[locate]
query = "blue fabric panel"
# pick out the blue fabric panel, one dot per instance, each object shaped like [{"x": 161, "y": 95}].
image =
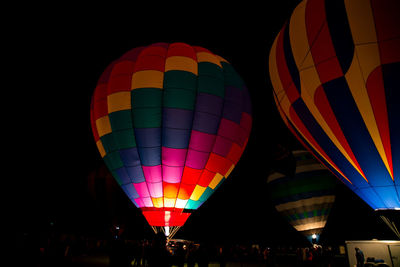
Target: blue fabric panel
[
  {"x": 123, "y": 176},
  {"x": 326, "y": 144},
  {"x": 370, "y": 196},
  {"x": 136, "y": 174},
  {"x": 389, "y": 196},
  {"x": 177, "y": 118},
  {"x": 148, "y": 137},
  {"x": 233, "y": 104},
  {"x": 175, "y": 138},
  {"x": 206, "y": 123},
  {"x": 150, "y": 156},
  {"x": 130, "y": 190},
  {"x": 392, "y": 84},
  {"x": 130, "y": 156},
  {"x": 209, "y": 103},
  {"x": 356, "y": 133}
]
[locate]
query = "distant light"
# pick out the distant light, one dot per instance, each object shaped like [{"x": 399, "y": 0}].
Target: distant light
[
  {"x": 314, "y": 236},
  {"x": 166, "y": 230}
]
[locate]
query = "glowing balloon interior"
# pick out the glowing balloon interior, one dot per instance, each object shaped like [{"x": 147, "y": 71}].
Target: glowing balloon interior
[
  {"x": 171, "y": 122},
  {"x": 335, "y": 70},
  {"x": 305, "y": 198}
]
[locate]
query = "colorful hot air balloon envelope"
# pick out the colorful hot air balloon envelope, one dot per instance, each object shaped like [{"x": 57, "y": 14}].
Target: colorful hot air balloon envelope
[
  {"x": 335, "y": 69},
  {"x": 305, "y": 198},
  {"x": 171, "y": 122}
]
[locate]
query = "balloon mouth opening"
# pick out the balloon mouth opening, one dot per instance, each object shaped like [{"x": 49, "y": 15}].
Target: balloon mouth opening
[{"x": 166, "y": 218}]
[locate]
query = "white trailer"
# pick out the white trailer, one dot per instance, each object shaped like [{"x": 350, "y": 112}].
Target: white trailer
[{"x": 386, "y": 250}]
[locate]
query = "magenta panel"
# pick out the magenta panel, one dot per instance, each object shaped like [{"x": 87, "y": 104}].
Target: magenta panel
[
  {"x": 172, "y": 174},
  {"x": 201, "y": 141},
  {"x": 152, "y": 174},
  {"x": 173, "y": 156},
  {"x": 196, "y": 159}
]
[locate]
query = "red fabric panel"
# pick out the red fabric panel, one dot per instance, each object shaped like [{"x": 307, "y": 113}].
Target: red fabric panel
[
  {"x": 165, "y": 218},
  {"x": 284, "y": 74},
  {"x": 376, "y": 93},
  {"x": 322, "y": 103},
  {"x": 205, "y": 178},
  {"x": 170, "y": 190},
  {"x": 181, "y": 49},
  {"x": 186, "y": 190},
  {"x": 190, "y": 175}
]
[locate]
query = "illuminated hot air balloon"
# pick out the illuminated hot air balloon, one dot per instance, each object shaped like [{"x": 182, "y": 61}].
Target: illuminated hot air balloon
[
  {"x": 335, "y": 69},
  {"x": 305, "y": 198},
  {"x": 171, "y": 122}
]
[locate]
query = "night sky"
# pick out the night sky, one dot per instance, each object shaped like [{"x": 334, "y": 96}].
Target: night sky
[{"x": 57, "y": 58}]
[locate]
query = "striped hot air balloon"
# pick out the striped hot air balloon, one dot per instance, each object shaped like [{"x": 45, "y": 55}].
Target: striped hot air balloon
[
  {"x": 171, "y": 122},
  {"x": 305, "y": 198},
  {"x": 335, "y": 69}
]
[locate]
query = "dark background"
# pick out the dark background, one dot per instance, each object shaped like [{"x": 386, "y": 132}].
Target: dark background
[{"x": 56, "y": 57}]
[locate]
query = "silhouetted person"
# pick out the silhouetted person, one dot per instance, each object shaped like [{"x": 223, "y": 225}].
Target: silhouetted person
[
  {"x": 360, "y": 257},
  {"x": 192, "y": 253},
  {"x": 158, "y": 254},
  {"x": 180, "y": 255},
  {"x": 203, "y": 256}
]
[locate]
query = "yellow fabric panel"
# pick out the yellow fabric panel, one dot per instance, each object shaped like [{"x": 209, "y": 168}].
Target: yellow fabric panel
[
  {"x": 147, "y": 79},
  {"x": 221, "y": 59},
  {"x": 356, "y": 83},
  {"x": 368, "y": 58},
  {"x": 101, "y": 149},
  {"x": 207, "y": 57},
  {"x": 103, "y": 126},
  {"x": 310, "y": 81},
  {"x": 276, "y": 81},
  {"x": 169, "y": 202},
  {"x": 309, "y": 226},
  {"x": 361, "y": 21},
  {"x": 215, "y": 181},
  {"x": 197, "y": 192},
  {"x": 181, "y": 63},
  {"x": 298, "y": 35},
  {"x": 315, "y": 148},
  {"x": 119, "y": 101},
  {"x": 158, "y": 202},
  {"x": 229, "y": 171}
]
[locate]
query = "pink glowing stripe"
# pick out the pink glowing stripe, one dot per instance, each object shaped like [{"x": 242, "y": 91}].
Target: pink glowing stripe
[
  {"x": 173, "y": 156},
  {"x": 147, "y": 202},
  {"x": 152, "y": 174},
  {"x": 155, "y": 189},
  {"x": 196, "y": 159},
  {"x": 222, "y": 146},
  {"x": 142, "y": 190},
  {"x": 201, "y": 141},
  {"x": 172, "y": 174}
]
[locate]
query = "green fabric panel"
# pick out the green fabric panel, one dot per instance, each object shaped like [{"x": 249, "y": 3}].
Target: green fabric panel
[
  {"x": 210, "y": 69},
  {"x": 125, "y": 139},
  {"x": 193, "y": 205},
  {"x": 109, "y": 143},
  {"x": 120, "y": 120},
  {"x": 180, "y": 79},
  {"x": 231, "y": 77},
  {"x": 309, "y": 182},
  {"x": 147, "y": 117},
  {"x": 113, "y": 160},
  {"x": 285, "y": 190},
  {"x": 211, "y": 85},
  {"x": 146, "y": 97},
  {"x": 179, "y": 98},
  {"x": 207, "y": 193}
]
